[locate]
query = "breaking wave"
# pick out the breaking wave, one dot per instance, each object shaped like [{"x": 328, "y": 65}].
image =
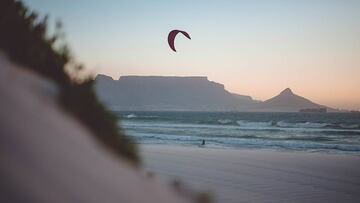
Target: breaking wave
[
  {"x": 335, "y": 133},
  {"x": 225, "y": 121},
  {"x": 242, "y": 123},
  {"x": 301, "y": 125}
]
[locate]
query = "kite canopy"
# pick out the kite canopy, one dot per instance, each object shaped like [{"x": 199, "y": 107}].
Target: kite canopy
[{"x": 172, "y": 35}]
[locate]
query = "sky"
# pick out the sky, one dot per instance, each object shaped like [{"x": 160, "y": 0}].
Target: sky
[{"x": 255, "y": 48}]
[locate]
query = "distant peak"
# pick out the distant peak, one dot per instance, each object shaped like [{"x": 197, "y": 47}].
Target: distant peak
[{"x": 287, "y": 91}]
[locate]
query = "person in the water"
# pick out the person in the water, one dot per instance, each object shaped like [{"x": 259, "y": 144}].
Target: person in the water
[{"x": 203, "y": 142}]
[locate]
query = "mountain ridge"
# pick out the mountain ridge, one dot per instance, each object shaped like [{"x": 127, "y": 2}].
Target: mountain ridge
[{"x": 193, "y": 93}]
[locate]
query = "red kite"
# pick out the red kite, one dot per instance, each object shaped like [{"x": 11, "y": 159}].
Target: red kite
[{"x": 172, "y": 35}]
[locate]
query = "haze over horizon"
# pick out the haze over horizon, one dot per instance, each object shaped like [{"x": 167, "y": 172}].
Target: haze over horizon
[{"x": 255, "y": 48}]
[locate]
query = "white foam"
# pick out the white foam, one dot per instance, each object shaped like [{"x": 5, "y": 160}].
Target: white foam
[
  {"x": 301, "y": 125},
  {"x": 131, "y": 116},
  {"x": 224, "y": 121},
  {"x": 349, "y": 126},
  {"x": 242, "y": 123}
]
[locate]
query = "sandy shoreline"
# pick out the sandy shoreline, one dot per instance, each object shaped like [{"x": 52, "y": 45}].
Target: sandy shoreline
[
  {"x": 48, "y": 156},
  {"x": 258, "y": 176}
]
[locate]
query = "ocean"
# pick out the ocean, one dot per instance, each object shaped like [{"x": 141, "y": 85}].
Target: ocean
[{"x": 311, "y": 132}]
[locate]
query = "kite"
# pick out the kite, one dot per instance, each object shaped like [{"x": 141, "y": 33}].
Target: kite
[{"x": 172, "y": 35}]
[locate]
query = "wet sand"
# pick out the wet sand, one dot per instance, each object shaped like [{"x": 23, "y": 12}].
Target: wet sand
[{"x": 258, "y": 175}]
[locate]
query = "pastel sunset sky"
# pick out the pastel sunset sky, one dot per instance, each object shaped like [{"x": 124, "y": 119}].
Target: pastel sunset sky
[{"x": 255, "y": 48}]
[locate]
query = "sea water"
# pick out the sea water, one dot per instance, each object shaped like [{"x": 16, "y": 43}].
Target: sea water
[{"x": 312, "y": 132}]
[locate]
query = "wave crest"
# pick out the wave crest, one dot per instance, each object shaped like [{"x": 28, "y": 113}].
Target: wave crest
[
  {"x": 284, "y": 124},
  {"x": 243, "y": 123}
]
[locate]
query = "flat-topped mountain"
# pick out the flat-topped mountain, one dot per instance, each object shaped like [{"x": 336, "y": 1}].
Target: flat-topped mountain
[
  {"x": 159, "y": 93},
  {"x": 166, "y": 93}
]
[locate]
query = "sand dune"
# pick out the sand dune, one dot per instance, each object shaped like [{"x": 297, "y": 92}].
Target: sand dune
[
  {"x": 47, "y": 156},
  {"x": 259, "y": 176}
]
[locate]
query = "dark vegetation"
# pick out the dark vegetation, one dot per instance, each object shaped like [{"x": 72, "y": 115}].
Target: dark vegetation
[{"x": 24, "y": 38}]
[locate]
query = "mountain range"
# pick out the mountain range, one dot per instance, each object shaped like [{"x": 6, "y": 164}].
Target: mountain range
[{"x": 160, "y": 93}]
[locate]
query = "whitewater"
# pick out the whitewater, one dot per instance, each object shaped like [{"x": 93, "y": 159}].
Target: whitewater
[{"x": 311, "y": 132}]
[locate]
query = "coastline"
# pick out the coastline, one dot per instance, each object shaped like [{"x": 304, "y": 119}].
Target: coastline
[{"x": 241, "y": 175}]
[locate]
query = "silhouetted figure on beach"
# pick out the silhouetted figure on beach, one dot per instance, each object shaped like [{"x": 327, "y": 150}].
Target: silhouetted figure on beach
[{"x": 203, "y": 142}]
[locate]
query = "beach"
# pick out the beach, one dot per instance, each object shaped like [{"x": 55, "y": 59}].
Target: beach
[
  {"x": 48, "y": 156},
  {"x": 236, "y": 175}
]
